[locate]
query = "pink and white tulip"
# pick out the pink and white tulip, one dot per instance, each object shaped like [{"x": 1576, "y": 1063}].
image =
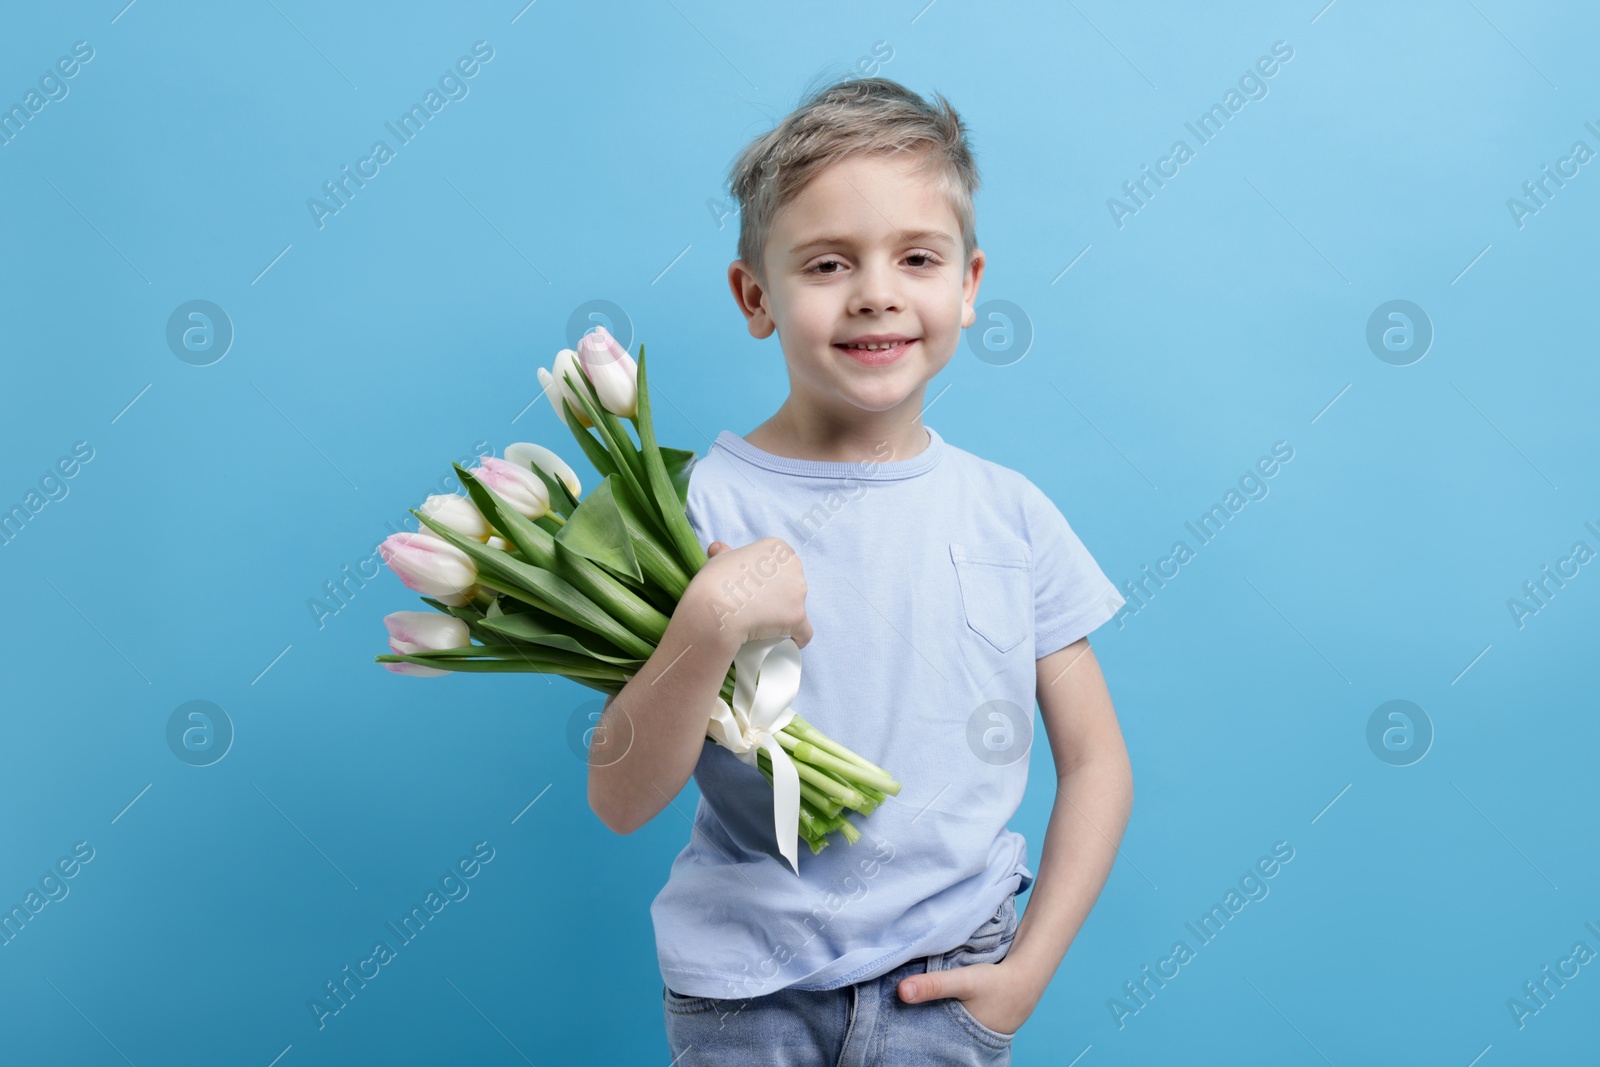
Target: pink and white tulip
[
  {"x": 456, "y": 512},
  {"x": 431, "y": 566},
  {"x": 518, "y": 486},
  {"x": 411, "y": 632},
  {"x": 532, "y": 456},
  {"x": 556, "y": 388},
  {"x": 612, "y": 372}
]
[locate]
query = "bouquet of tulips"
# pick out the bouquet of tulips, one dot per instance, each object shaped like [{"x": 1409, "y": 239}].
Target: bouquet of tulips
[{"x": 551, "y": 583}]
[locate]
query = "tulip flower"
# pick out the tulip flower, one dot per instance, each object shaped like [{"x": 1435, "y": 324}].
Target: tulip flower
[
  {"x": 456, "y": 512},
  {"x": 431, "y": 566},
  {"x": 556, "y": 388},
  {"x": 499, "y": 542},
  {"x": 524, "y": 454},
  {"x": 411, "y": 632},
  {"x": 518, "y": 486},
  {"x": 612, "y": 372}
]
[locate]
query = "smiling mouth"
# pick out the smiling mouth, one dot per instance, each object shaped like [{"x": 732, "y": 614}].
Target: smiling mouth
[{"x": 876, "y": 355}]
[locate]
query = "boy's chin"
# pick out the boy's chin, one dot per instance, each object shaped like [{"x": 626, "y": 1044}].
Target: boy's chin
[{"x": 880, "y": 398}]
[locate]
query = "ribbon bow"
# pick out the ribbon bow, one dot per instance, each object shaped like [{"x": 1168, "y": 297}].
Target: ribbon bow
[{"x": 766, "y": 679}]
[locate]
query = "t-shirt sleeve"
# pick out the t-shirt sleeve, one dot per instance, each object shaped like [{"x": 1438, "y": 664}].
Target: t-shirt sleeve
[
  {"x": 1071, "y": 594},
  {"x": 696, "y": 505}
]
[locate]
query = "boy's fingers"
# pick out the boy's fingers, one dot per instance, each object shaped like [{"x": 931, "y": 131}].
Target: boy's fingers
[
  {"x": 802, "y": 634},
  {"x": 936, "y": 985},
  {"x": 715, "y": 547}
]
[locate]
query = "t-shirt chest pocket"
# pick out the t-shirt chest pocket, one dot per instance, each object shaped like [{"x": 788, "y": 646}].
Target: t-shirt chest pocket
[{"x": 996, "y": 592}]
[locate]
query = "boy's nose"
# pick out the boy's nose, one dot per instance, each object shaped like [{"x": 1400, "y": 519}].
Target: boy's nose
[{"x": 877, "y": 290}]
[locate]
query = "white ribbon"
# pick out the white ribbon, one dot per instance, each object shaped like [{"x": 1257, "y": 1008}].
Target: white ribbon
[{"x": 766, "y": 679}]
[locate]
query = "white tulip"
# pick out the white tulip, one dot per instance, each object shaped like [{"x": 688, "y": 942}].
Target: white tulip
[
  {"x": 456, "y": 512},
  {"x": 556, "y": 388},
  {"x": 411, "y": 632},
  {"x": 519, "y": 487},
  {"x": 526, "y": 454},
  {"x": 612, "y": 372},
  {"x": 431, "y": 566}
]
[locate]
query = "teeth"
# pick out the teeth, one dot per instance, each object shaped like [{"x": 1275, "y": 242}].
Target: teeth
[{"x": 874, "y": 348}]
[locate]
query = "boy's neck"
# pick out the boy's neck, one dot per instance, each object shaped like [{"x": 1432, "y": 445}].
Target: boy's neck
[{"x": 828, "y": 438}]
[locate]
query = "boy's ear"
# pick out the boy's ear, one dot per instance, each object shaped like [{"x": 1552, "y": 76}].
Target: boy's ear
[
  {"x": 969, "y": 289},
  {"x": 751, "y": 298}
]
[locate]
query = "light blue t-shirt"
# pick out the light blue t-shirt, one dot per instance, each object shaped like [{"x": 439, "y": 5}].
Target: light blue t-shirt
[{"x": 933, "y": 584}]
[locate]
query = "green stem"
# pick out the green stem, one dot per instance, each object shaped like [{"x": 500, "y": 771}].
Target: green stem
[
  {"x": 814, "y": 831},
  {"x": 813, "y": 825},
  {"x": 842, "y": 792},
  {"x": 815, "y": 755},
  {"x": 815, "y": 802},
  {"x": 803, "y": 729}
]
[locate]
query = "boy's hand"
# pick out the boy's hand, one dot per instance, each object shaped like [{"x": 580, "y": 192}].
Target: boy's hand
[
  {"x": 999, "y": 997},
  {"x": 752, "y": 592}
]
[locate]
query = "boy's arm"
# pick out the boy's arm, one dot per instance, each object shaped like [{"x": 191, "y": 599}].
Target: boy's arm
[
  {"x": 649, "y": 738},
  {"x": 1094, "y": 798}
]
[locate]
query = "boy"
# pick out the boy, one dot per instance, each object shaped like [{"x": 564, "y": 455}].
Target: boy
[{"x": 940, "y": 596}]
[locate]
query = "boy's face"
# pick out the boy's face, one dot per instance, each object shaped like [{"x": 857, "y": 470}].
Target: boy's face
[{"x": 870, "y": 249}]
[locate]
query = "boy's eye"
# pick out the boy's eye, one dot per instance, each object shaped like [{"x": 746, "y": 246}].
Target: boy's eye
[{"x": 929, "y": 260}]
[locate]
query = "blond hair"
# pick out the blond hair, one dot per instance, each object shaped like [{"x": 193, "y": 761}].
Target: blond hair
[{"x": 853, "y": 116}]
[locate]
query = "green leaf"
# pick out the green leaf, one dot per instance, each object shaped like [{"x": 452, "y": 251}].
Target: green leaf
[
  {"x": 540, "y": 588},
  {"x": 527, "y": 643},
  {"x": 661, "y": 567},
  {"x": 539, "y": 546},
  {"x": 670, "y": 509},
  {"x": 529, "y": 629},
  {"x": 627, "y": 464},
  {"x": 606, "y": 679},
  {"x": 563, "y": 660},
  {"x": 679, "y": 462},
  {"x": 555, "y": 624},
  {"x": 598, "y": 532},
  {"x": 466, "y": 652}
]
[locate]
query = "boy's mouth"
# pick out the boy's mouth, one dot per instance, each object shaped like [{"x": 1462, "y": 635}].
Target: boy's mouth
[{"x": 876, "y": 351}]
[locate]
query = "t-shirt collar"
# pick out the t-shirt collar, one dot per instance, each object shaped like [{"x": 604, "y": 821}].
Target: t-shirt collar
[{"x": 866, "y": 470}]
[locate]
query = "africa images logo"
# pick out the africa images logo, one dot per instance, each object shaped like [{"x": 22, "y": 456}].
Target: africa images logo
[{"x": 452, "y": 86}]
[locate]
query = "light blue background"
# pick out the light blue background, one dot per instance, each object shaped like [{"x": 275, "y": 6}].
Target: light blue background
[{"x": 1228, "y": 314}]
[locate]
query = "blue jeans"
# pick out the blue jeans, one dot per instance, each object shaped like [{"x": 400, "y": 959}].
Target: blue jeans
[{"x": 861, "y": 1025}]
